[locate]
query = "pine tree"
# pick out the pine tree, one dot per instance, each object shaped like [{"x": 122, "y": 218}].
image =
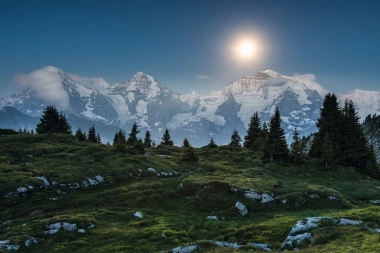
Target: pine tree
[
  {"x": 53, "y": 122},
  {"x": 327, "y": 151},
  {"x": 212, "y": 143},
  {"x": 147, "y": 140},
  {"x": 132, "y": 136},
  {"x": 32, "y": 131},
  {"x": 235, "y": 139},
  {"x": 253, "y": 132},
  {"x": 98, "y": 138},
  {"x": 190, "y": 154},
  {"x": 186, "y": 143},
  {"x": 296, "y": 146},
  {"x": 166, "y": 139},
  {"x": 371, "y": 167},
  {"x": 120, "y": 138},
  {"x": 91, "y": 136},
  {"x": 277, "y": 148},
  {"x": 80, "y": 135}
]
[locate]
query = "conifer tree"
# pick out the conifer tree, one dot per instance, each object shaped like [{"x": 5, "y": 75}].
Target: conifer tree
[
  {"x": 253, "y": 132},
  {"x": 327, "y": 151},
  {"x": 212, "y": 143},
  {"x": 98, "y": 138},
  {"x": 186, "y": 143},
  {"x": 132, "y": 136},
  {"x": 91, "y": 136},
  {"x": 166, "y": 139},
  {"x": 80, "y": 135},
  {"x": 147, "y": 140},
  {"x": 296, "y": 146},
  {"x": 32, "y": 131},
  {"x": 190, "y": 154},
  {"x": 119, "y": 138},
  {"x": 371, "y": 166},
  {"x": 235, "y": 139},
  {"x": 53, "y": 122},
  {"x": 276, "y": 142}
]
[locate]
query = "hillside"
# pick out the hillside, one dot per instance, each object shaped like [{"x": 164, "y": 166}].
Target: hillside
[{"x": 76, "y": 196}]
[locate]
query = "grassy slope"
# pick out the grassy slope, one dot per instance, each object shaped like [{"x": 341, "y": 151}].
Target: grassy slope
[{"x": 177, "y": 212}]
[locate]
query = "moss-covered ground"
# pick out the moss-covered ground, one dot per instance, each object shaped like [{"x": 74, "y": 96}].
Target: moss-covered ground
[{"x": 175, "y": 208}]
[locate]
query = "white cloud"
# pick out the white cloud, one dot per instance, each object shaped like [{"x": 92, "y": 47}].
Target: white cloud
[
  {"x": 47, "y": 83},
  {"x": 311, "y": 83},
  {"x": 92, "y": 83},
  {"x": 202, "y": 77}
]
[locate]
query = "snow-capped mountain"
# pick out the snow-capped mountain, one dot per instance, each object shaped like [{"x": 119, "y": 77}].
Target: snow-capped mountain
[
  {"x": 154, "y": 107},
  {"x": 366, "y": 102}
]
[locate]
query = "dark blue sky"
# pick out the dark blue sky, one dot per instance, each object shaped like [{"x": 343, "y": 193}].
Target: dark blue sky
[{"x": 176, "y": 41}]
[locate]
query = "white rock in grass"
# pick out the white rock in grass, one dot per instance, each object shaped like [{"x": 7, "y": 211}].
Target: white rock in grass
[
  {"x": 252, "y": 195},
  {"x": 333, "y": 198},
  {"x": 91, "y": 226},
  {"x": 99, "y": 178},
  {"x": 85, "y": 184},
  {"x": 81, "y": 231},
  {"x": 187, "y": 249},
  {"x": 69, "y": 226},
  {"x": 291, "y": 242},
  {"x": 376, "y": 202},
  {"x": 51, "y": 231},
  {"x": 302, "y": 225},
  {"x": 138, "y": 215},
  {"x": 266, "y": 198},
  {"x": 30, "y": 241},
  {"x": 152, "y": 170},
  {"x": 212, "y": 218},
  {"x": 314, "y": 196},
  {"x": 57, "y": 226},
  {"x": 347, "y": 222},
  {"x": 377, "y": 230},
  {"x": 232, "y": 245},
  {"x": 22, "y": 189},
  {"x": 92, "y": 181},
  {"x": 260, "y": 246},
  {"x": 241, "y": 208},
  {"x": 31, "y": 187},
  {"x": 46, "y": 183}
]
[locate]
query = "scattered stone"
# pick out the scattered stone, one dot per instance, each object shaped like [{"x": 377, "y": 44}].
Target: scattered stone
[
  {"x": 378, "y": 187},
  {"x": 57, "y": 226},
  {"x": 85, "y": 184},
  {"x": 165, "y": 174},
  {"x": 22, "y": 189},
  {"x": 152, "y": 170},
  {"x": 333, "y": 198},
  {"x": 187, "y": 249},
  {"x": 252, "y": 195},
  {"x": 91, "y": 226},
  {"x": 302, "y": 225},
  {"x": 81, "y": 231},
  {"x": 31, "y": 187},
  {"x": 241, "y": 208},
  {"x": 376, "y": 202},
  {"x": 347, "y": 222},
  {"x": 30, "y": 241},
  {"x": 69, "y": 227},
  {"x": 260, "y": 246},
  {"x": 53, "y": 199},
  {"x": 51, "y": 231},
  {"x": 61, "y": 192},
  {"x": 377, "y": 230},
  {"x": 232, "y": 245},
  {"x": 43, "y": 178},
  {"x": 212, "y": 218},
  {"x": 283, "y": 201},
  {"x": 54, "y": 183},
  {"x": 92, "y": 181},
  {"x": 266, "y": 198},
  {"x": 7, "y": 246},
  {"x": 76, "y": 186},
  {"x": 291, "y": 242},
  {"x": 314, "y": 196},
  {"x": 138, "y": 215},
  {"x": 29, "y": 156},
  {"x": 99, "y": 178}
]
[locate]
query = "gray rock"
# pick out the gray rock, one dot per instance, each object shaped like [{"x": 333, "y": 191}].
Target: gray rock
[
  {"x": 30, "y": 241},
  {"x": 43, "y": 178},
  {"x": 260, "y": 246},
  {"x": 81, "y": 231},
  {"x": 291, "y": 242},
  {"x": 99, "y": 178},
  {"x": 212, "y": 218},
  {"x": 232, "y": 245},
  {"x": 252, "y": 195},
  {"x": 22, "y": 189},
  {"x": 69, "y": 226},
  {"x": 92, "y": 181},
  {"x": 266, "y": 198},
  {"x": 241, "y": 208},
  {"x": 376, "y": 202}
]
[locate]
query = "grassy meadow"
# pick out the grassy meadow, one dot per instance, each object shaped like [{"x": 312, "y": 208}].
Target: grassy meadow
[{"x": 174, "y": 207}]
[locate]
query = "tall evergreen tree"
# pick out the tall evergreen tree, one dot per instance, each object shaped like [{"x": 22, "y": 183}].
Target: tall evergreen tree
[
  {"x": 147, "y": 140},
  {"x": 166, "y": 140},
  {"x": 276, "y": 142},
  {"x": 327, "y": 151},
  {"x": 371, "y": 166},
  {"x": 296, "y": 149},
  {"x": 80, "y": 135},
  {"x": 212, "y": 143},
  {"x": 132, "y": 136},
  {"x": 329, "y": 122},
  {"x": 98, "y": 138},
  {"x": 253, "y": 132},
  {"x": 119, "y": 138},
  {"x": 91, "y": 136},
  {"x": 235, "y": 139},
  {"x": 53, "y": 122},
  {"x": 186, "y": 143}
]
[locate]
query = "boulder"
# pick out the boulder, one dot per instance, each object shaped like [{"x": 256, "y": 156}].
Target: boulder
[
  {"x": 30, "y": 241},
  {"x": 252, "y": 195},
  {"x": 266, "y": 198},
  {"x": 241, "y": 208},
  {"x": 138, "y": 215},
  {"x": 69, "y": 226}
]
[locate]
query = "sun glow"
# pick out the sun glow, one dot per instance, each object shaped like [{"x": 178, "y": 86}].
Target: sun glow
[{"x": 246, "y": 49}]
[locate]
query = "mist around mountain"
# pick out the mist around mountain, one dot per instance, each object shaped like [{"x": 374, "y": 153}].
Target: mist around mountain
[{"x": 154, "y": 107}]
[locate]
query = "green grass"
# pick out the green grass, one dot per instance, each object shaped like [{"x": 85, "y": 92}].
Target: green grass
[{"x": 175, "y": 208}]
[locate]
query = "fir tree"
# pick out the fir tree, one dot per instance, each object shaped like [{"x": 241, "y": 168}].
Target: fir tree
[
  {"x": 296, "y": 148},
  {"x": 53, "y": 122},
  {"x": 371, "y": 166},
  {"x": 147, "y": 140},
  {"x": 212, "y": 143},
  {"x": 120, "y": 138},
  {"x": 32, "y": 131},
  {"x": 190, "y": 154},
  {"x": 98, "y": 138},
  {"x": 132, "y": 136},
  {"x": 153, "y": 144},
  {"x": 327, "y": 151},
  {"x": 166, "y": 139},
  {"x": 253, "y": 132},
  {"x": 80, "y": 135},
  {"x": 276, "y": 147},
  {"x": 186, "y": 143},
  {"x": 91, "y": 136},
  {"x": 235, "y": 139}
]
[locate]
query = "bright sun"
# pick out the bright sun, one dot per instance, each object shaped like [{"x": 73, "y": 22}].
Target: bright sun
[{"x": 246, "y": 49}]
